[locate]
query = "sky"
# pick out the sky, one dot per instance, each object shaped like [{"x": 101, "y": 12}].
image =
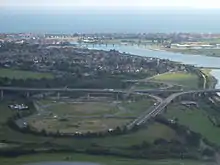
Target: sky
[{"x": 110, "y": 3}]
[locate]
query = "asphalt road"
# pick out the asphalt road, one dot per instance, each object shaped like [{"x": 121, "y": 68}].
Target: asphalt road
[{"x": 155, "y": 110}]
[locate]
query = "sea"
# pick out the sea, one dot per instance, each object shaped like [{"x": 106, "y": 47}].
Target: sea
[{"x": 109, "y": 20}]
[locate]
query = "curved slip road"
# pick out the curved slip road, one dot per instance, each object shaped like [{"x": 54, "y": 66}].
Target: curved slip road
[
  {"x": 155, "y": 110},
  {"x": 80, "y": 89}
]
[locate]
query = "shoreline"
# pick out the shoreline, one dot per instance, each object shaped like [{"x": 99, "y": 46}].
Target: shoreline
[
  {"x": 158, "y": 49},
  {"x": 171, "y": 50},
  {"x": 211, "y": 78},
  {"x": 215, "y": 81}
]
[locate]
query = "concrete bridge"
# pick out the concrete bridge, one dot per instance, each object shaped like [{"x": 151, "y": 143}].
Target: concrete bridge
[
  {"x": 58, "y": 90},
  {"x": 152, "y": 112},
  {"x": 155, "y": 110}
]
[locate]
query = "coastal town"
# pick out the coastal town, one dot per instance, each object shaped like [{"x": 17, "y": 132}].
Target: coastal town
[
  {"x": 166, "y": 38},
  {"x": 174, "y": 42},
  {"x": 74, "y": 60}
]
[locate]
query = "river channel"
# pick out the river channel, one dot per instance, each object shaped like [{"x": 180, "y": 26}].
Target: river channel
[{"x": 197, "y": 60}]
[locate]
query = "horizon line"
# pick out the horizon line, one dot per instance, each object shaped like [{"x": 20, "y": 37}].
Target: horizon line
[{"x": 109, "y": 7}]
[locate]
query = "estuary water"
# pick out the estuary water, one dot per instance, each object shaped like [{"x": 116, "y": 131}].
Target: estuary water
[{"x": 197, "y": 60}]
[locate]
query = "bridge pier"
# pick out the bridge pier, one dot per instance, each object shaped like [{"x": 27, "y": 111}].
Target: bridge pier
[
  {"x": 28, "y": 94},
  {"x": 194, "y": 96},
  {"x": 58, "y": 95},
  {"x": 117, "y": 96},
  {"x": 88, "y": 96},
  {"x": 2, "y": 94},
  {"x": 133, "y": 98},
  {"x": 179, "y": 98}
]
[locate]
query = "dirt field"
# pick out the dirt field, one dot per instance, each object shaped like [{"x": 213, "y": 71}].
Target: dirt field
[{"x": 70, "y": 117}]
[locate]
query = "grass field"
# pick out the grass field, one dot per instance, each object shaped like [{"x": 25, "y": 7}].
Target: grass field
[
  {"x": 82, "y": 109},
  {"x": 5, "y": 112},
  {"x": 77, "y": 125},
  {"x": 102, "y": 160},
  {"x": 7, "y": 133},
  {"x": 138, "y": 107},
  {"x": 210, "y": 40},
  {"x": 178, "y": 78},
  {"x": 78, "y": 117},
  {"x": 154, "y": 131},
  {"x": 20, "y": 74},
  {"x": 196, "y": 119},
  {"x": 149, "y": 85}
]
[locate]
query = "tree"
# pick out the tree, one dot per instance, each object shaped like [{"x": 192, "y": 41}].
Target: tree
[
  {"x": 117, "y": 130},
  {"x": 160, "y": 141},
  {"x": 208, "y": 152},
  {"x": 43, "y": 132},
  {"x": 193, "y": 138},
  {"x": 145, "y": 144}
]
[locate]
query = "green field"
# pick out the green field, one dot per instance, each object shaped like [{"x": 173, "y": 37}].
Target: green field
[
  {"x": 210, "y": 40},
  {"x": 75, "y": 113},
  {"x": 7, "y": 133},
  {"x": 102, "y": 160},
  {"x": 82, "y": 109},
  {"x": 153, "y": 132},
  {"x": 137, "y": 107},
  {"x": 77, "y": 117},
  {"x": 196, "y": 119},
  {"x": 5, "y": 112},
  {"x": 178, "y": 78},
  {"x": 20, "y": 74},
  {"x": 149, "y": 85},
  {"x": 72, "y": 125}
]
